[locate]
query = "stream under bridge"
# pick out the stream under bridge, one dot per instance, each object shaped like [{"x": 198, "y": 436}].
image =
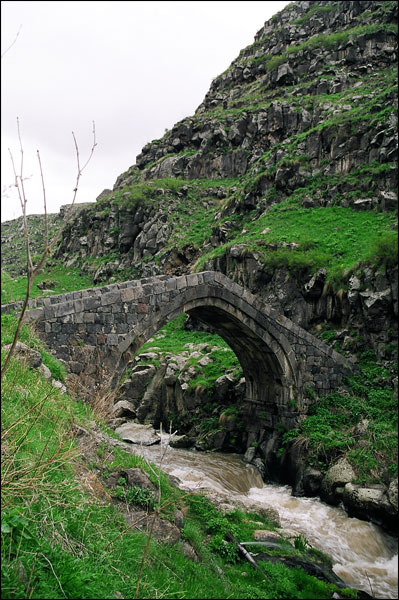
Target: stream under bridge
[{"x": 98, "y": 330}]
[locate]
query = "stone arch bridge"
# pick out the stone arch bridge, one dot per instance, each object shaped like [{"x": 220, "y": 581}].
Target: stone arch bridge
[{"x": 284, "y": 366}]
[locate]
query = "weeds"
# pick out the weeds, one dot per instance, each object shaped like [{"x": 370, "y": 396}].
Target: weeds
[{"x": 330, "y": 429}]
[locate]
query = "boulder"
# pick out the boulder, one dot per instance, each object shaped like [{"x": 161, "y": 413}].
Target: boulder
[
  {"x": 45, "y": 371},
  {"x": 135, "y": 433},
  {"x": 135, "y": 387},
  {"x": 137, "y": 477},
  {"x": 311, "y": 481},
  {"x": 375, "y": 503},
  {"x": 333, "y": 483},
  {"x": 123, "y": 408},
  {"x": 222, "y": 386}
]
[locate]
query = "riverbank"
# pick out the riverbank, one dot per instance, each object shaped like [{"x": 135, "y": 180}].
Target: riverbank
[{"x": 69, "y": 536}]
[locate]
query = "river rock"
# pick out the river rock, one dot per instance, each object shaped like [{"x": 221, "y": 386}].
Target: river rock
[
  {"x": 371, "y": 503},
  {"x": 267, "y": 512},
  {"x": 182, "y": 441},
  {"x": 311, "y": 481},
  {"x": 265, "y": 535},
  {"x": 335, "y": 479},
  {"x": 393, "y": 494},
  {"x": 136, "y": 433}
]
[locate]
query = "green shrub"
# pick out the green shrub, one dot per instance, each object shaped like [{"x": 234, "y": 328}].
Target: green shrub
[{"x": 136, "y": 495}]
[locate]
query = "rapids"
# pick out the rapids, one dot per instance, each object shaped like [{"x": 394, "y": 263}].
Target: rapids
[{"x": 364, "y": 556}]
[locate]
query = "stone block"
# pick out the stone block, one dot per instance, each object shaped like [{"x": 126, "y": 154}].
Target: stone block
[
  {"x": 113, "y": 297},
  {"x": 127, "y": 294},
  {"x": 171, "y": 284},
  {"x": 89, "y": 317},
  {"x": 101, "y": 339},
  {"x": 147, "y": 289},
  {"x": 112, "y": 339},
  {"x": 181, "y": 282},
  {"x": 192, "y": 279},
  {"x": 33, "y": 314},
  {"x": 142, "y": 308},
  {"x": 59, "y": 310},
  {"x": 91, "y": 303},
  {"x": 78, "y": 305}
]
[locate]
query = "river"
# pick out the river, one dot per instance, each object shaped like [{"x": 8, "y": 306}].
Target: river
[{"x": 364, "y": 556}]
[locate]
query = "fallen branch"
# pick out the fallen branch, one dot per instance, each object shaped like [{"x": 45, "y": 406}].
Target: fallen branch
[{"x": 244, "y": 553}]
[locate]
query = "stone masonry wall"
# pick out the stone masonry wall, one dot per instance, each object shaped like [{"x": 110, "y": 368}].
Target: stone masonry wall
[{"x": 113, "y": 319}]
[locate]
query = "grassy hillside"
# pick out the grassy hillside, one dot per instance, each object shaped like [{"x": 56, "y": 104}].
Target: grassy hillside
[{"x": 63, "y": 531}]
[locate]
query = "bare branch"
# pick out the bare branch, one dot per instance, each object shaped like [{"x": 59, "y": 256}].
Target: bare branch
[
  {"x": 11, "y": 45},
  {"x": 46, "y": 248},
  {"x": 33, "y": 270}
]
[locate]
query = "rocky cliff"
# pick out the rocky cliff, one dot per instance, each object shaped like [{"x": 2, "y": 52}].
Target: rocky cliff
[{"x": 304, "y": 119}]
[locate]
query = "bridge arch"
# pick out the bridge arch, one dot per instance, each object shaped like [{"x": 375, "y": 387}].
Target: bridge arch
[{"x": 265, "y": 354}]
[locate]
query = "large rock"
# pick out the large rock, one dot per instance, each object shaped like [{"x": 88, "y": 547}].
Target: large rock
[
  {"x": 134, "y": 387},
  {"x": 136, "y": 433},
  {"x": 123, "y": 408},
  {"x": 374, "y": 502},
  {"x": 311, "y": 481},
  {"x": 336, "y": 478}
]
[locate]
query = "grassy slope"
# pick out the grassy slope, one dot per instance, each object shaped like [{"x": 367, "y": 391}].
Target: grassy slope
[
  {"x": 58, "y": 541},
  {"x": 56, "y": 279}
]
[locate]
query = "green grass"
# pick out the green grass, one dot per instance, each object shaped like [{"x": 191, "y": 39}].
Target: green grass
[
  {"x": 324, "y": 41},
  {"x": 64, "y": 280},
  {"x": 26, "y": 336},
  {"x": 334, "y": 237},
  {"x": 174, "y": 339},
  {"x": 59, "y": 541},
  {"x": 332, "y": 418}
]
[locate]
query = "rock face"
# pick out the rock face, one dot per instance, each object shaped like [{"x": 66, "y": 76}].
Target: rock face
[{"x": 308, "y": 109}]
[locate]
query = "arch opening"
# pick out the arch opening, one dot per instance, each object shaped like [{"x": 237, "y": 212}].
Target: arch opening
[{"x": 267, "y": 367}]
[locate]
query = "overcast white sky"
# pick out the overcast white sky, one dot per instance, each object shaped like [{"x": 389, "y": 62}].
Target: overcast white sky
[{"x": 135, "y": 68}]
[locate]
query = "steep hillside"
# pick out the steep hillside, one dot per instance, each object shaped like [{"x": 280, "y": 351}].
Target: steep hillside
[{"x": 285, "y": 177}]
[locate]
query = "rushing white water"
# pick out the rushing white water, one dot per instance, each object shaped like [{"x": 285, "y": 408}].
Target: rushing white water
[{"x": 364, "y": 556}]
